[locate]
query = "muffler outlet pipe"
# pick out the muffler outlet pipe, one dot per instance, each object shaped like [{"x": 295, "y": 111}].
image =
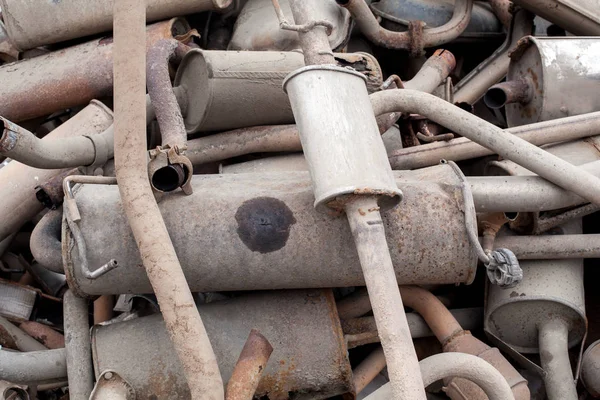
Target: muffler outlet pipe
[
  {"x": 18, "y": 181},
  {"x": 45, "y": 244},
  {"x": 182, "y": 319},
  {"x": 210, "y": 83},
  {"x": 33, "y": 366},
  {"x": 249, "y": 368},
  {"x": 14, "y": 337},
  {"x": 234, "y": 207},
  {"x": 580, "y": 18},
  {"x": 433, "y": 73},
  {"x": 473, "y": 86},
  {"x": 454, "y": 339},
  {"x": 539, "y": 133},
  {"x": 169, "y": 168},
  {"x": 590, "y": 368},
  {"x": 309, "y": 361},
  {"x": 30, "y": 24},
  {"x": 23, "y": 146},
  {"x": 546, "y": 165},
  {"x": 78, "y": 346},
  {"x": 509, "y": 92},
  {"x": 350, "y": 172},
  {"x": 458, "y": 365},
  {"x": 416, "y": 38},
  {"x": 68, "y": 77},
  {"x": 545, "y": 314}
]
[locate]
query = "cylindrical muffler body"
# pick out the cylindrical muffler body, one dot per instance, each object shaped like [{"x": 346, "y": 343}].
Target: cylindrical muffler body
[
  {"x": 550, "y": 288},
  {"x": 260, "y": 231},
  {"x": 32, "y": 23},
  {"x": 580, "y": 17},
  {"x": 235, "y": 89},
  {"x": 339, "y": 135},
  {"x": 562, "y": 74},
  {"x": 257, "y": 27},
  {"x": 309, "y": 359},
  {"x": 18, "y": 181},
  {"x": 69, "y": 77}
]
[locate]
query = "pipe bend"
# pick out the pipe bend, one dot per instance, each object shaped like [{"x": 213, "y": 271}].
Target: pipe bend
[
  {"x": 45, "y": 243},
  {"x": 467, "y": 366},
  {"x": 432, "y": 37},
  {"x": 33, "y": 366}
]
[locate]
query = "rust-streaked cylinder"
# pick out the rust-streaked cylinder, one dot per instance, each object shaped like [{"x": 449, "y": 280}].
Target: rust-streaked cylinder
[
  {"x": 66, "y": 78},
  {"x": 33, "y": 23},
  {"x": 309, "y": 359},
  {"x": 18, "y": 181},
  {"x": 273, "y": 237}
]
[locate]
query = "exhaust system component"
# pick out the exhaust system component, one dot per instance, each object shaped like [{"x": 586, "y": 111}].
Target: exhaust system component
[
  {"x": 111, "y": 386},
  {"x": 590, "y": 367},
  {"x": 416, "y": 38},
  {"x": 18, "y": 181},
  {"x": 234, "y": 209},
  {"x": 550, "y": 247},
  {"x": 452, "y": 337},
  {"x": 184, "y": 325},
  {"x": 457, "y": 365},
  {"x": 473, "y": 86},
  {"x": 16, "y": 301},
  {"x": 69, "y": 77},
  {"x": 544, "y": 313},
  {"x": 397, "y": 15},
  {"x": 33, "y": 366},
  {"x": 511, "y": 147},
  {"x": 45, "y": 241},
  {"x": 309, "y": 360},
  {"x": 31, "y": 24},
  {"x": 78, "y": 346},
  {"x": 257, "y": 27},
  {"x": 350, "y": 173},
  {"x": 579, "y": 17},
  {"x": 8, "y": 390},
  {"x": 551, "y": 78},
  {"x": 15, "y": 338},
  {"x": 233, "y": 89},
  {"x": 249, "y": 368},
  {"x": 44, "y": 334}
]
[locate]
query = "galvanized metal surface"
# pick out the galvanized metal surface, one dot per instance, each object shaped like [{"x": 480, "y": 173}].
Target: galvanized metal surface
[
  {"x": 289, "y": 251},
  {"x": 309, "y": 359},
  {"x": 562, "y": 74},
  {"x": 257, "y": 27}
]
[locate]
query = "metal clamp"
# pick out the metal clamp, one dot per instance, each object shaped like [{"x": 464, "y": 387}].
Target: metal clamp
[
  {"x": 284, "y": 24},
  {"x": 502, "y": 266},
  {"x": 72, "y": 216}
]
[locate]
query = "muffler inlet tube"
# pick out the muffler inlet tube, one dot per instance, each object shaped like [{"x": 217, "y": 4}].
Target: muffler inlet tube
[
  {"x": 546, "y": 165},
  {"x": 554, "y": 355},
  {"x": 408, "y": 40},
  {"x": 33, "y": 366},
  {"x": 182, "y": 319},
  {"x": 78, "y": 346},
  {"x": 509, "y": 92}
]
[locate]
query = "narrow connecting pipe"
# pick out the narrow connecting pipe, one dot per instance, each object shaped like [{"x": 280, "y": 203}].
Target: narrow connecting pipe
[
  {"x": 20, "y": 339},
  {"x": 43, "y": 333},
  {"x": 23, "y": 146},
  {"x": 432, "y": 37},
  {"x": 33, "y": 366},
  {"x": 433, "y": 72},
  {"x": 546, "y": 165},
  {"x": 457, "y": 365},
  {"x": 502, "y": 10},
  {"x": 182, "y": 319},
  {"x": 554, "y": 355},
  {"x": 551, "y": 247},
  {"x": 508, "y": 92},
  {"x": 249, "y": 367},
  {"x": 78, "y": 346},
  {"x": 45, "y": 243},
  {"x": 540, "y": 133},
  {"x": 165, "y": 175}
]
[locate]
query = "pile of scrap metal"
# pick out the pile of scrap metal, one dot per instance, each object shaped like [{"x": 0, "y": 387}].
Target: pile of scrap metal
[{"x": 299, "y": 199}]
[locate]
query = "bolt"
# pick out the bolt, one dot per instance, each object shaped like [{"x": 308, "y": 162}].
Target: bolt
[{"x": 108, "y": 376}]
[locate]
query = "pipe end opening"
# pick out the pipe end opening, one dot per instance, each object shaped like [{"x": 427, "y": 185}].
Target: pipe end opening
[
  {"x": 495, "y": 98},
  {"x": 168, "y": 178}
]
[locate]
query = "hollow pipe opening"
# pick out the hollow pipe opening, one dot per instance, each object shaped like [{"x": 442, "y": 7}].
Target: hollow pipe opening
[
  {"x": 342, "y": 2},
  {"x": 495, "y": 98},
  {"x": 511, "y": 216},
  {"x": 501, "y": 94},
  {"x": 169, "y": 177}
]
